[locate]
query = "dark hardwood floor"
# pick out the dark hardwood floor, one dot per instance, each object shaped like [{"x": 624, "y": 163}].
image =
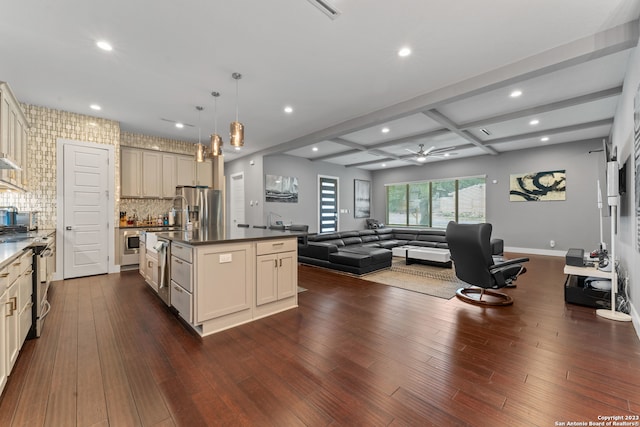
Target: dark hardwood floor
[{"x": 353, "y": 353}]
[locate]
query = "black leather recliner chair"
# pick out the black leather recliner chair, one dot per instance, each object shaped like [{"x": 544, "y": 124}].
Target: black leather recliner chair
[{"x": 470, "y": 247}]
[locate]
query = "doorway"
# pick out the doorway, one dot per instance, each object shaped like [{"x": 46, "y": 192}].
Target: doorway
[
  {"x": 327, "y": 204},
  {"x": 85, "y": 209},
  {"x": 236, "y": 197}
]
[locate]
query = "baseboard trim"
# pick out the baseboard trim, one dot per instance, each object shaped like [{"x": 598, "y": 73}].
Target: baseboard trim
[{"x": 548, "y": 252}]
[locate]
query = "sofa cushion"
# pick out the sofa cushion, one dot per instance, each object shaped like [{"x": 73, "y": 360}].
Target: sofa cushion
[
  {"x": 388, "y": 244},
  {"x": 404, "y": 236},
  {"x": 349, "y": 234},
  {"x": 352, "y": 241},
  {"x": 422, "y": 243},
  {"x": 361, "y": 256},
  {"x": 324, "y": 236},
  {"x": 367, "y": 238},
  {"x": 367, "y": 233},
  {"x": 384, "y": 233},
  {"x": 431, "y": 238}
]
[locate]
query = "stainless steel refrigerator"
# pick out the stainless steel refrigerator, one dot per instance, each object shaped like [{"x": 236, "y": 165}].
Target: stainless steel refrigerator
[{"x": 202, "y": 206}]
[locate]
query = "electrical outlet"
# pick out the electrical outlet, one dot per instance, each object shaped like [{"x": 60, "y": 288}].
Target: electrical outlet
[
  {"x": 552, "y": 243},
  {"x": 225, "y": 258}
]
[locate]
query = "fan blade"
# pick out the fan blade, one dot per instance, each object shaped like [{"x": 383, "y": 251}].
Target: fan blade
[
  {"x": 412, "y": 152},
  {"x": 426, "y": 153},
  {"x": 443, "y": 150}
]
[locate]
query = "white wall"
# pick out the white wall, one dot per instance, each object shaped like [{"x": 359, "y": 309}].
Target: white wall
[{"x": 622, "y": 138}]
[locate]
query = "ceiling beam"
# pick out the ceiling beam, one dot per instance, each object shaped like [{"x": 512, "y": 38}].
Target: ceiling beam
[
  {"x": 537, "y": 134},
  {"x": 607, "y": 42},
  {"x": 540, "y": 109},
  {"x": 446, "y": 122}
]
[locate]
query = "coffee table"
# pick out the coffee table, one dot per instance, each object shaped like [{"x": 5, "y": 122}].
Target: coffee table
[{"x": 440, "y": 257}]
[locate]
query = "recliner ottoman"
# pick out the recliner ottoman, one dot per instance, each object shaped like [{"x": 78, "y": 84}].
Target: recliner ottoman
[{"x": 360, "y": 260}]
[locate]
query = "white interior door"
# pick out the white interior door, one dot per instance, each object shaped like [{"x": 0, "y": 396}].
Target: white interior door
[
  {"x": 86, "y": 217},
  {"x": 236, "y": 205}
]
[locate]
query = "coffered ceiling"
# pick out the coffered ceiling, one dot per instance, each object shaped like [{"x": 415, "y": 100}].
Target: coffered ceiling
[{"x": 342, "y": 77}]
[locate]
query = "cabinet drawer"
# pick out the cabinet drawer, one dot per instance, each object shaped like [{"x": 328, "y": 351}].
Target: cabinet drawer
[
  {"x": 274, "y": 246},
  {"x": 26, "y": 288},
  {"x": 181, "y": 273},
  {"x": 4, "y": 280},
  {"x": 182, "y": 252},
  {"x": 26, "y": 260},
  {"x": 182, "y": 300}
]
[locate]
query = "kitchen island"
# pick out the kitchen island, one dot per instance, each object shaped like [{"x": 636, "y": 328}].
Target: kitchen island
[{"x": 224, "y": 278}]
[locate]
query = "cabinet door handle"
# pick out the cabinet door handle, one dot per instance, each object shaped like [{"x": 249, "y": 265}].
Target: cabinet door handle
[
  {"x": 10, "y": 309},
  {"x": 276, "y": 263},
  {"x": 177, "y": 261},
  {"x": 278, "y": 244},
  {"x": 14, "y": 303},
  {"x": 280, "y": 262},
  {"x": 177, "y": 288},
  {"x": 3, "y": 275}
]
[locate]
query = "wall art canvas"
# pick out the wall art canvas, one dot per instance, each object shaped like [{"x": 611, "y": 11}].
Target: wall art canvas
[
  {"x": 362, "y": 198},
  {"x": 538, "y": 186},
  {"x": 283, "y": 189}
]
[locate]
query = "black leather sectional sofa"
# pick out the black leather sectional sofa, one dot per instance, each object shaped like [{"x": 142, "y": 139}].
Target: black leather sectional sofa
[{"x": 364, "y": 251}]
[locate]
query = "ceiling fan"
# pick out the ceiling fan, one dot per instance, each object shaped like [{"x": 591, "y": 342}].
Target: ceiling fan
[{"x": 422, "y": 154}]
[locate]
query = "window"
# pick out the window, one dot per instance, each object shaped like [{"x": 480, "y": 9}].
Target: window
[{"x": 435, "y": 203}]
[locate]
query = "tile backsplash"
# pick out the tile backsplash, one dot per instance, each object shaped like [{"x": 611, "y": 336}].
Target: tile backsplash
[{"x": 47, "y": 126}]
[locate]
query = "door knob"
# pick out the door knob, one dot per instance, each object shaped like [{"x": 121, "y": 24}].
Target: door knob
[{"x": 69, "y": 227}]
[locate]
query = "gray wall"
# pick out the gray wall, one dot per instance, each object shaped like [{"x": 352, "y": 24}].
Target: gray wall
[
  {"x": 530, "y": 225},
  {"x": 252, "y": 188},
  {"x": 306, "y": 210}
]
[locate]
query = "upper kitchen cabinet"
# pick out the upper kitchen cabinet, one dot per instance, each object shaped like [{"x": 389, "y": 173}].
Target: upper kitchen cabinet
[
  {"x": 186, "y": 170},
  {"x": 204, "y": 173},
  {"x": 130, "y": 172},
  {"x": 169, "y": 174},
  {"x": 14, "y": 137},
  {"x": 151, "y": 174}
]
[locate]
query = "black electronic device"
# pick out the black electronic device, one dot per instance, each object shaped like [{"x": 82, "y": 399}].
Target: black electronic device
[{"x": 575, "y": 257}]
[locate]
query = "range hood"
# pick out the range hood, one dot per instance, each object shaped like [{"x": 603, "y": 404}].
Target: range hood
[{"x": 7, "y": 163}]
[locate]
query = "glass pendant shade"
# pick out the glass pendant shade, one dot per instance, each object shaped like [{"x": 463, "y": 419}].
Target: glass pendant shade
[
  {"x": 216, "y": 145},
  {"x": 200, "y": 153},
  {"x": 237, "y": 134}
]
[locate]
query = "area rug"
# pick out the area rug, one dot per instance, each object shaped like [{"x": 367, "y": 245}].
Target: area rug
[{"x": 435, "y": 281}]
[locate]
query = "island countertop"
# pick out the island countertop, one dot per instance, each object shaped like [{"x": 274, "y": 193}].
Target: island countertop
[{"x": 229, "y": 235}]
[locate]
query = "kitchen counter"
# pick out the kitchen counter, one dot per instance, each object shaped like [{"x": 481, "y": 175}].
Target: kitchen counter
[
  {"x": 154, "y": 226},
  {"x": 9, "y": 250},
  {"x": 230, "y": 235}
]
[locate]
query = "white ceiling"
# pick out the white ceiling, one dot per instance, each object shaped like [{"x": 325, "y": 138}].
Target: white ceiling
[{"x": 343, "y": 77}]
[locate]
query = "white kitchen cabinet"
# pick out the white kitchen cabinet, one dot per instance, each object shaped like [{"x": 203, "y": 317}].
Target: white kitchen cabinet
[
  {"x": 142, "y": 257},
  {"x": 224, "y": 281},
  {"x": 5, "y": 307},
  {"x": 14, "y": 138},
  {"x": 276, "y": 271},
  {"x": 169, "y": 175},
  {"x": 152, "y": 270},
  {"x": 11, "y": 326},
  {"x": 186, "y": 170},
  {"x": 204, "y": 173},
  {"x": 151, "y": 173},
  {"x": 130, "y": 172},
  {"x": 25, "y": 302},
  {"x": 182, "y": 280}
]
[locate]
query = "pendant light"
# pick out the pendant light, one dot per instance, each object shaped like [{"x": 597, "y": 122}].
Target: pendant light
[
  {"x": 200, "y": 148},
  {"x": 237, "y": 128},
  {"x": 216, "y": 141}
]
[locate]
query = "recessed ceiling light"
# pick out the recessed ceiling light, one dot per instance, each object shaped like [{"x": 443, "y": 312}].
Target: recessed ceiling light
[
  {"x": 288, "y": 109},
  {"x": 384, "y": 165},
  {"x": 385, "y": 130},
  {"x": 447, "y": 154},
  {"x": 544, "y": 139},
  {"x": 421, "y": 159},
  {"x": 95, "y": 107},
  {"x": 237, "y": 148},
  {"x": 405, "y": 51},
  {"x": 534, "y": 122},
  {"x": 515, "y": 93},
  {"x": 104, "y": 45},
  {"x": 314, "y": 149},
  {"x": 179, "y": 125}
]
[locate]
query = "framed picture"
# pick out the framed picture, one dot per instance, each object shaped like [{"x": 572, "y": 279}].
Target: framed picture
[
  {"x": 282, "y": 189},
  {"x": 538, "y": 186},
  {"x": 361, "y": 198}
]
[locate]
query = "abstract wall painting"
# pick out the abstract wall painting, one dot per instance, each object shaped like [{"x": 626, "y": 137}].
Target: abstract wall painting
[
  {"x": 281, "y": 189},
  {"x": 538, "y": 186},
  {"x": 361, "y": 198}
]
